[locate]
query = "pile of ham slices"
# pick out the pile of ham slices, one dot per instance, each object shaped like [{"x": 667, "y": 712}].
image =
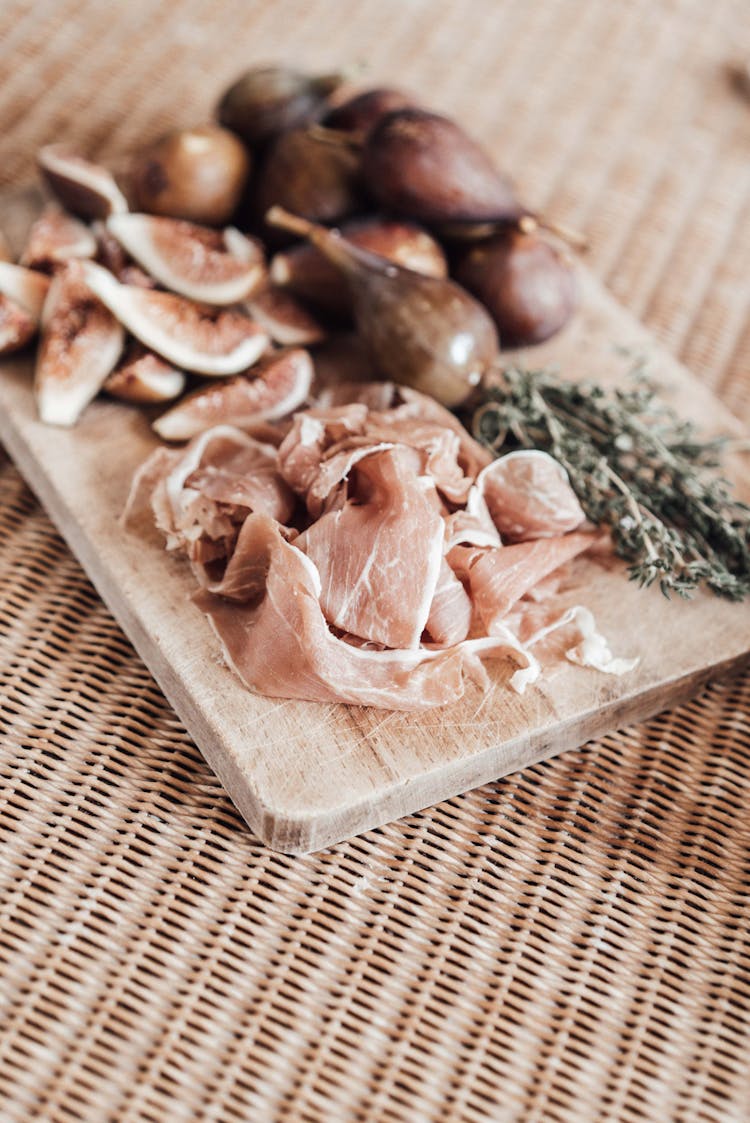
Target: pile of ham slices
[{"x": 372, "y": 552}]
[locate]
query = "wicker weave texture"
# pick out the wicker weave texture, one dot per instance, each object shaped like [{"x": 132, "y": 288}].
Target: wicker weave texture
[{"x": 570, "y": 944}]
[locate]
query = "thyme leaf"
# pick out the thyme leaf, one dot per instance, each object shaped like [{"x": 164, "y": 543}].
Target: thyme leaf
[{"x": 637, "y": 468}]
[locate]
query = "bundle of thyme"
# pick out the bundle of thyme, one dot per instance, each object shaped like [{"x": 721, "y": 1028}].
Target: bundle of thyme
[{"x": 637, "y": 468}]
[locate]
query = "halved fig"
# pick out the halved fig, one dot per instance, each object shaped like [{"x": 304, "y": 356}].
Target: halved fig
[
  {"x": 56, "y": 237},
  {"x": 143, "y": 378},
  {"x": 215, "y": 341},
  {"x": 112, "y": 256},
  {"x": 281, "y": 384},
  {"x": 24, "y": 287},
  {"x": 17, "y": 327},
  {"x": 286, "y": 320},
  {"x": 81, "y": 342},
  {"x": 212, "y": 266},
  {"x": 5, "y": 252},
  {"x": 86, "y": 189}
]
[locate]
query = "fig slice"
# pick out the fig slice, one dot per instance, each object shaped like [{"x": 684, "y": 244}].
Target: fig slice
[
  {"x": 286, "y": 320},
  {"x": 143, "y": 378},
  {"x": 86, "y": 189},
  {"x": 281, "y": 384},
  {"x": 17, "y": 327},
  {"x": 207, "y": 265},
  {"x": 81, "y": 342},
  {"x": 195, "y": 337},
  {"x": 54, "y": 238},
  {"x": 24, "y": 287}
]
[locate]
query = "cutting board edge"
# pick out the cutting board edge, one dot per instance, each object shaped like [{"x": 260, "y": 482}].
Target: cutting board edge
[{"x": 300, "y": 834}]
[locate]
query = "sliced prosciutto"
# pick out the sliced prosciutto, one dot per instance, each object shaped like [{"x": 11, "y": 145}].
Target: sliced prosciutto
[
  {"x": 379, "y": 555},
  {"x": 280, "y": 644},
  {"x": 499, "y": 577},
  {"x": 528, "y": 495},
  {"x": 368, "y": 551},
  {"x": 206, "y": 492}
]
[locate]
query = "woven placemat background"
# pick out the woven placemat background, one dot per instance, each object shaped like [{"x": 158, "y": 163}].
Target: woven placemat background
[{"x": 567, "y": 944}]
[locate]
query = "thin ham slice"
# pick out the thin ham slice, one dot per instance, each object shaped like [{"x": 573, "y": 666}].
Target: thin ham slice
[
  {"x": 379, "y": 554},
  {"x": 499, "y": 577},
  {"x": 280, "y": 644},
  {"x": 528, "y": 494},
  {"x": 204, "y": 493},
  {"x": 451, "y": 610}
]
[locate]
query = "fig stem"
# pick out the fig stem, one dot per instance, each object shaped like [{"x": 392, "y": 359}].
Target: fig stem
[
  {"x": 329, "y": 242},
  {"x": 528, "y": 223},
  {"x": 337, "y": 138}
]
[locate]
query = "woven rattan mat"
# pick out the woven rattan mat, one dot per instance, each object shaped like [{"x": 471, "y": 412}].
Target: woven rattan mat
[{"x": 568, "y": 944}]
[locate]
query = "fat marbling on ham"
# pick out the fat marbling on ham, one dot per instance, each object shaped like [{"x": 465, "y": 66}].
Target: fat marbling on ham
[{"x": 374, "y": 554}]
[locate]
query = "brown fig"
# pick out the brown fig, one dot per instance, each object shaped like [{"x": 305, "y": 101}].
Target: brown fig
[
  {"x": 279, "y": 384},
  {"x": 309, "y": 176},
  {"x": 424, "y": 166},
  {"x": 56, "y": 237},
  {"x": 81, "y": 342},
  {"x": 142, "y": 378},
  {"x": 526, "y": 284},
  {"x": 196, "y": 174},
  {"x": 270, "y": 99},
  {"x": 17, "y": 327},
  {"x": 195, "y": 337},
  {"x": 361, "y": 113},
  {"x": 305, "y": 271},
  {"x": 426, "y": 332},
  {"x": 216, "y": 267},
  {"x": 286, "y": 320},
  {"x": 87, "y": 190}
]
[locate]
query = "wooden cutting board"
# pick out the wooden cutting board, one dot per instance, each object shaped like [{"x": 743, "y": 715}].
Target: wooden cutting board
[{"x": 306, "y": 775}]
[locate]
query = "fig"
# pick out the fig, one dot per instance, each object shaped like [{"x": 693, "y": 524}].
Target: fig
[
  {"x": 286, "y": 320},
  {"x": 424, "y": 166},
  {"x": 206, "y": 265},
  {"x": 142, "y": 378},
  {"x": 55, "y": 237},
  {"x": 527, "y": 285},
  {"x": 267, "y": 100},
  {"x": 208, "y": 340},
  {"x": 24, "y": 287},
  {"x": 278, "y": 385},
  {"x": 87, "y": 190},
  {"x": 306, "y": 174},
  {"x": 17, "y": 327},
  {"x": 305, "y": 271},
  {"x": 81, "y": 342},
  {"x": 426, "y": 332},
  {"x": 361, "y": 113},
  {"x": 196, "y": 174}
]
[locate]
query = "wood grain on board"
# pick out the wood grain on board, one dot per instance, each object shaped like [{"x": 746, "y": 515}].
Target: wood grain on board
[{"x": 306, "y": 775}]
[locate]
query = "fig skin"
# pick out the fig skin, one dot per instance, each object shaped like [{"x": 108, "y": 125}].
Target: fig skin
[
  {"x": 195, "y": 174},
  {"x": 305, "y": 271},
  {"x": 526, "y": 284},
  {"x": 309, "y": 176},
  {"x": 268, "y": 100},
  {"x": 425, "y": 332},
  {"x": 424, "y": 166},
  {"x": 361, "y": 113}
]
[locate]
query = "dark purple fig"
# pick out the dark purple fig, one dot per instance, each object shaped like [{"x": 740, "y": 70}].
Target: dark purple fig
[
  {"x": 528, "y": 287},
  {"x": 310, "y": 176},
  {"x": 305, "y": 271},
  {"x": 361, "y": 113},
  {"x": 424, "y": 166},
  {"x": 270, "y": 99},
  {"x": 426, "y": 332}
]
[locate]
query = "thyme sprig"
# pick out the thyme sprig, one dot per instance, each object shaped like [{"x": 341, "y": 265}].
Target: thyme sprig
[{"x": 636, "y": 468}]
